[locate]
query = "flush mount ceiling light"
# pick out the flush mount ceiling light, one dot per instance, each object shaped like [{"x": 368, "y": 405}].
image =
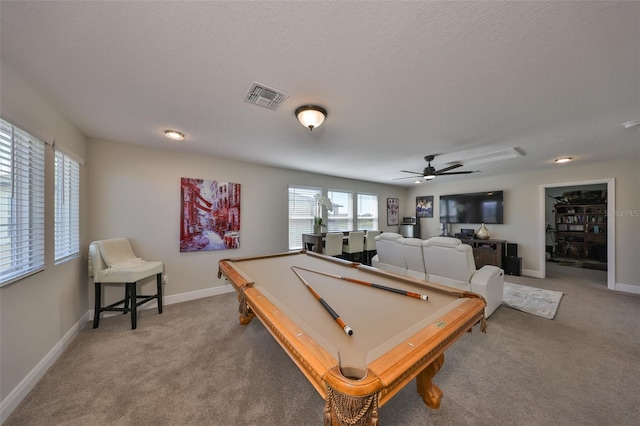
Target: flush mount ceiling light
[
  {"x": 630, "y": 124},
  {"x": 174, "y": 134},
  {"x": 311, "y": 116},
  {"x": 563, "y": 160}
]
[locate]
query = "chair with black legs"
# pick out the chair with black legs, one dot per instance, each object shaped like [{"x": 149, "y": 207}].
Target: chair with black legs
[{"x": 112, "y": 261}]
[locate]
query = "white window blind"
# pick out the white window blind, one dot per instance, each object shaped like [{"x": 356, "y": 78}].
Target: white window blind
[
  {"x": 367, "y": 211},
  {"x": 21, "y": 203},
  {"x": 67, "y": 207},
  {"x": 341, "y": 218},
  {"x": 302, "y": 209}
]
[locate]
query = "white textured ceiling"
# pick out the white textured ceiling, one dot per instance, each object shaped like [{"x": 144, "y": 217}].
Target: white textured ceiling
[{"x": 400, "y": 80}]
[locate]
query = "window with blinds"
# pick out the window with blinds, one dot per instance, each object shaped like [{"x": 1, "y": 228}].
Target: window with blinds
[
  {"x": 67, "y": 207},
  {"x": 367, "y": 211},
  {"x": 302, "y": 209},
  {"x": 21, "y": 203},
  {"x": 341, "y": 218}
]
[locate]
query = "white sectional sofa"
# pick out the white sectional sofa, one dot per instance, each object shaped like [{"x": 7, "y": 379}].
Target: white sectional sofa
[{"x": 442, "y": 260}]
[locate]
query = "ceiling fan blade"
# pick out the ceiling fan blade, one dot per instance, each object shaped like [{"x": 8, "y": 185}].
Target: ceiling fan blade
[
  {"x": 446, "y": 169},
  {"x": 458, "y": 173},
  {"x": 415, "y": 173},
  {"x": 409, "y": 177}
]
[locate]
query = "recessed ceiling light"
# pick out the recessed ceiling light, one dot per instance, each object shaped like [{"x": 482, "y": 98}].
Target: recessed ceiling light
[
  {"x": 174, "y": 134},
  {"x": 417, "y": 181},
  {"x": 563, "y": 160},
  {"x": 630, "y": 124}
]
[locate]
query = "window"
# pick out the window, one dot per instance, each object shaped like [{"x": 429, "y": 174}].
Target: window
[
  {"x": 21, "y": 203},
  {"x": 367, "y": 212},
  {"x": 67, "y": 207},
  {"x": 302, "y": 209},
  {"x": 341, "y": 218}
]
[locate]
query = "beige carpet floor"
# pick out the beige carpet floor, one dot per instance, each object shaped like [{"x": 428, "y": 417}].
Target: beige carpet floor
[{"x": 195, "y": 365}]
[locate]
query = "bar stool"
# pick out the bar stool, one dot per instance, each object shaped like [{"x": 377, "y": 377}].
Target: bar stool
[{"x": 113, "y": 262}]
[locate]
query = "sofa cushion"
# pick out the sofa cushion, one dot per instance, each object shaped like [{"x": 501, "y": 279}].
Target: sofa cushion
[
  {"x": 390, "y": 256},
  {"x": 448, "y": 257},
  {"x": 412, "y": 251},
  {"x": 443, "y": 242}
]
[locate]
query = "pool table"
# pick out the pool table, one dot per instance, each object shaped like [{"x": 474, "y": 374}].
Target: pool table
[{"x": 395, "y": 337}]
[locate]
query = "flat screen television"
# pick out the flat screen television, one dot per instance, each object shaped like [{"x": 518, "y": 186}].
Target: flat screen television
[{"x": 478, "y": 207}]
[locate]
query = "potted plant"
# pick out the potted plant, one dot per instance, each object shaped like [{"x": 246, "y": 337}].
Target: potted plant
[{"x": 321, "y": 201}]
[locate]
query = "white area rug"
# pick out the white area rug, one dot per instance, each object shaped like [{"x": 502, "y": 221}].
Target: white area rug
[{"x": 536, "y": 301}]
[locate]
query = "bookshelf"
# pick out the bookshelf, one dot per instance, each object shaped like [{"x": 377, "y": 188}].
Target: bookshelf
[{"x": 581, "y": 231}]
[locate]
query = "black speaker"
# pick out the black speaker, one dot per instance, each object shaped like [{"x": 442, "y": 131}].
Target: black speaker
[
  {"x": 512, "y": 250},
  {"x": 512, "y": 265}
]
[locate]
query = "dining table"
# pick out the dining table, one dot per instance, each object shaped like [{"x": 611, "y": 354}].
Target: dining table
[{"x": 315, "y": 242}]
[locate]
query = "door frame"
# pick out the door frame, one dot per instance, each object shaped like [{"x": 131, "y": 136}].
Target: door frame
[{"x": 611, "y": 225}]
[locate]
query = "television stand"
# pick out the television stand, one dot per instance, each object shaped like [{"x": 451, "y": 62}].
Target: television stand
[{"x": 486, "y": 252}]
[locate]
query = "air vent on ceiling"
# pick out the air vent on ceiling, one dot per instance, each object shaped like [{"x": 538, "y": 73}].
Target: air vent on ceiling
[{"x": 265, "y": 96}]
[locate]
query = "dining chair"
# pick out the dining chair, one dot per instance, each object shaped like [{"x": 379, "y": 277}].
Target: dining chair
[
  {"x": 333, "y": 244},
  {"x": 370, "y": 245},
  {"x": 354, "y": 247}
]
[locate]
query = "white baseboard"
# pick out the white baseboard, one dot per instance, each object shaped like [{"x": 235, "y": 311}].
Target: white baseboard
[
  {"x": 16, "y": 396},
  {"x": 628, "y": 288},
  {"x": 23, "y": 388},
  {"x": 532, "y": 273}
]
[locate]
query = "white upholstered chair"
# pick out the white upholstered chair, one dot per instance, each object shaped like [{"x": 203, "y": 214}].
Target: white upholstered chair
[
  {"x": 355, "y": 246},
  {"x": 370, "y": 245},
  {"x": 113, "y": 261},
  {"x": 333, "y": 243}
]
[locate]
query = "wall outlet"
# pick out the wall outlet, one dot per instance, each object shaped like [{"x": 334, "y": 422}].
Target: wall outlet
[{"x": 165, "y": 279}]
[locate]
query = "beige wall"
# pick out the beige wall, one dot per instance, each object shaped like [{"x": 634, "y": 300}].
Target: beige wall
[
  {"x": 135, "y": 192},
  {"x": 37, "y": 311},
  {"x": 522, "y": 209}
]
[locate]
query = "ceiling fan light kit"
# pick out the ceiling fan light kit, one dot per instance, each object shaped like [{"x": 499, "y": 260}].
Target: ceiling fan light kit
[
  {"x": 311, "y": 116},
  {"x": 631, "y": 124}
]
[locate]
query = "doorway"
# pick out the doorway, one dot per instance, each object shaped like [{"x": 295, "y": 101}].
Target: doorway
[{"x": 582, "y": 230}]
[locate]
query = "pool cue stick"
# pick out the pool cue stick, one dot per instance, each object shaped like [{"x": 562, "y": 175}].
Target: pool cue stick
[
  {"x": 333, "y": 313},
  {"x": 374, "y": 285}
]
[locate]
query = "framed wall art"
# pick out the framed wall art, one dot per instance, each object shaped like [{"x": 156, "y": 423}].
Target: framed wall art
[
  {"x": 424, "y": 206},
  {"x": 393, "y": 207},
  {"x": 209, "y": 215}
]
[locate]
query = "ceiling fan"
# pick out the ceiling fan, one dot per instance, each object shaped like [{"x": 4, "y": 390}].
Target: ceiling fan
[{"x": 430, "y": 172}]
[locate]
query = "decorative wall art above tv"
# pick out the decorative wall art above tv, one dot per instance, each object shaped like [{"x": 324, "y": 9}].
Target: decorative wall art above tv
[
  {"x": 210, "y": 215},
  {"x": 479, "y": 207}
]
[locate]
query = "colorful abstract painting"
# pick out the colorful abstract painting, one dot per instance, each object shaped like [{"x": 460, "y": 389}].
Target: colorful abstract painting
[{"x": 210, "y": 215}]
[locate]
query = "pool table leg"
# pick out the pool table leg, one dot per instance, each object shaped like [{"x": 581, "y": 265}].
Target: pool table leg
[
  {"x": 431, "y": 394},
  {"x": 246, "y": 314}
]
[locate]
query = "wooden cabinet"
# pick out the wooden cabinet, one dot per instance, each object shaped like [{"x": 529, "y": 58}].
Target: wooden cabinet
[
  {"x": 581, "y": 231},
  {"x": 486, "y": 252}
]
